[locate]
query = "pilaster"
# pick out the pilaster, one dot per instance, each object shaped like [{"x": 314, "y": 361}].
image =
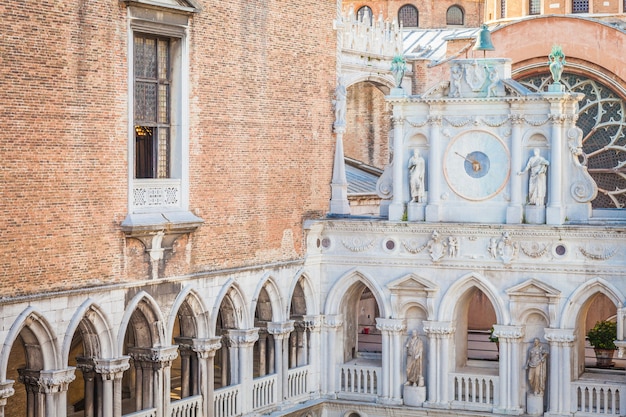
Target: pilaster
[
  {"x": 332, "y": 325},
  {"x": 510, "y": 368},
  {"x": 439, "y": 335},
  {"x": 392, "y": 330},
  {"x": 435, "y": 168},
  {"x": 560, "y": 371},
  {"x": 396, "y": 208}
]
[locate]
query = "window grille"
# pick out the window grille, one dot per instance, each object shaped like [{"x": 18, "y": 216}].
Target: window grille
[
  {"x": 502, "y": 9},
  {"x": 580, "y": 6},
  {"x": 364, "y": 14},
  {"x": 408, "y": 16},
  {"x": 454, "y": 16},
  {"x": 601, "y": 117},
  {"x": 534, "y": 7},
  {"x": 152, "y": 108}
]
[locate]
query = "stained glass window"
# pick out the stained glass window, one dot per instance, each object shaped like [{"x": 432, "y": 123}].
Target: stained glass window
[{"x": 151, "y": 106}]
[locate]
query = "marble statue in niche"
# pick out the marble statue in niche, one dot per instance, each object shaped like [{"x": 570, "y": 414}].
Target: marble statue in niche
[{"x": 538, "y": 167}]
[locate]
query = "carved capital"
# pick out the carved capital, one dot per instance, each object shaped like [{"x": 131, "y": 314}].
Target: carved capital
[
  {"x": 153, "y": 357},
  {"x": 111, "y": 369},
  {"x": 508, "y": 333},
  {"x": 439, "y": 328},
  {"x": 390, "y": 325},
  {"x": 204, "y": 348},
  {"x": 280, "y": 328},
  {"x": 242, "y": 338},
  {"x": 560, "y": 337},
  {"x": 333, "y": 321},
  {"x": 6, "y": 389}
]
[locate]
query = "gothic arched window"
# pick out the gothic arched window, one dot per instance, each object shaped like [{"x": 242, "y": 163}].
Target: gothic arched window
[
  {"x": 408, "y": 16},
  {"x": 364, "y": 14},
  {"x": 454, "y": 15}
]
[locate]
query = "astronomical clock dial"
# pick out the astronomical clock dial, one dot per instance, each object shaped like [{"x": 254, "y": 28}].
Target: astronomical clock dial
[{"x": 476, "y": 165}]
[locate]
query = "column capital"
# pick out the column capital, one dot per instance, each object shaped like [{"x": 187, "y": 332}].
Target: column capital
[
  {"x": 243, "y": 337},
  {"x": 560, "y": 337},
  {"x": 203, "y": 347},
  {"x": 312, "y": 322},
  {"x": 558, "y": 119},
  {"x": 508, "y": 333},
  {"x": 156, "y": 357},
  {"x": 390, "y": 325},
  {"x": 110, "y": 369},
  {"x": 6, "y": 389},
  {"x": 55, "y": 381},
  {"x": 333, "y": 320},
  {"x": 276, "y": 328},
  {"x": 439, "y": 328}
]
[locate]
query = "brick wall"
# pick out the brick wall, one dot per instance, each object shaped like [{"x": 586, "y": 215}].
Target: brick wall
[
  {"x": 432, "y": 14},
  {"x": 368, "y": 125},
  {"x": 261, "y": 81}
]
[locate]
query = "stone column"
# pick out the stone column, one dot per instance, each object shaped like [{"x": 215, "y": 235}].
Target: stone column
[
  {"x": 202, "y": 377},
  {"x": 510, "y": 365},
  {"x": 46, "y": 391},
  {"x": 281, "y": 332},
  {"x": 6, "y": 391},
  {"x": 554, "y": 210},
  {"x": 262, "y": 344},
  {"x": 109, "y": 390},
  {"x": 439, "y": 335},
  {"x": 396, "y": 208},
  {"x": 88, "y": 369},
  {"x": 313, "y": 324},
  {"x": 559, "y": 371},
  {"x": 434, "y": 167},
  {"x": 392, "y": 330},
  {"x": 155, "y": 364},
  {"x": 332, "y": 325},
  {"x": 514, "y": 212},
  {"x": 242, "y": 341}
]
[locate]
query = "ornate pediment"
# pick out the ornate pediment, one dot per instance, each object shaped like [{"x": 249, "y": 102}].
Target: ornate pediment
[
  {"x": 533, "y": 288},
  {"x": 413, "y": 284}
]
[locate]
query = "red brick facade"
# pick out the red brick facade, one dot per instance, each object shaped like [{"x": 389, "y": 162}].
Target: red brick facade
[
  {"x": 432, "y": 14},
  {"x": 260, "y": 122}
]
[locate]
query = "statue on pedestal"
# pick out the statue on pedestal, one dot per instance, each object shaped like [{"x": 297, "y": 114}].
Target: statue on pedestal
[
  {"x": 417, "y": 167},
  {"x": 538, "y": 167},
  {"x": 340, "y": 102},
  {"x": 414, "y": 356},
  {"x": 536, "y": 366}
]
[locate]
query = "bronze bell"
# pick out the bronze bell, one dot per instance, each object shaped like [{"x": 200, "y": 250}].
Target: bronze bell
[{"x": 483, "y": 40}]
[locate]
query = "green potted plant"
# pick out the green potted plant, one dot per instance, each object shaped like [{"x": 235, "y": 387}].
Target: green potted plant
[{"x": 602, "y": 337}]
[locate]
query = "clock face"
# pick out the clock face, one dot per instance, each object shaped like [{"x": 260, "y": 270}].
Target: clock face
[{"x": 476, "y": 165}]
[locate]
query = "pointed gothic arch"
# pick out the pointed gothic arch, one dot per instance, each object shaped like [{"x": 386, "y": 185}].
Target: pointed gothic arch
[
  {"x": 309, "y": 299},
  {"x": 584, "y": 293},
  {"x": 268, "y": 284},
  {"x": 90, "y": 319},
  {"x": 191, "y": 312}
]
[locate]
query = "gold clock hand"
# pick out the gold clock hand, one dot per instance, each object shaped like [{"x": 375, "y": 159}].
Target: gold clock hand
[{"x": 475, "y": 163}]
